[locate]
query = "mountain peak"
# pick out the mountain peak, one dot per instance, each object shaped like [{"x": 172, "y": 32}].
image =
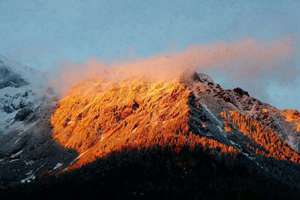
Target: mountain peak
[{"x": 98, "y": 118}]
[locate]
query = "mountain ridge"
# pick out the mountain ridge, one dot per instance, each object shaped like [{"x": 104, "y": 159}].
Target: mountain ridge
[
  {"x": 212, "y": 117},
  {"x": 100, "y": 117}
]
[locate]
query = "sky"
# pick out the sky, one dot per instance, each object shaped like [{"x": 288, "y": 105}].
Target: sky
[{"x": 45, "y": 34}]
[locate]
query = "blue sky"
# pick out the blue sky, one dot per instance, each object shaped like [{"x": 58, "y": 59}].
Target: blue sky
[{"x": 43, "y": 34}]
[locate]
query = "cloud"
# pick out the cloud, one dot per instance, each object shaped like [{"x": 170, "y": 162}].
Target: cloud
[{"x": 247, "y": 61}]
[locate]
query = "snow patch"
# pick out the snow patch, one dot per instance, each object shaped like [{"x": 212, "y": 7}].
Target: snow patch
[
  {"x": 30, "y": 177},
  {"x": 211, "y": 114},
  {"x": 16, "y": 154},
  {"x": 17, "y": 140},
  {"x": 13, "y": 160},
  {"x": 30, "y": 162},
  {"x": 58, "y": 165}
]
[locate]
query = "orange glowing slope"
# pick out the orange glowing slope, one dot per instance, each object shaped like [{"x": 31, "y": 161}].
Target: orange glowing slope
[
  {"x": 97, "y": 118},
  {"x": 133, "y": 114}
]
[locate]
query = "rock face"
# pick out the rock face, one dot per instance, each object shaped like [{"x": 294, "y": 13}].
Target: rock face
[{"x": 99, "y": 117}]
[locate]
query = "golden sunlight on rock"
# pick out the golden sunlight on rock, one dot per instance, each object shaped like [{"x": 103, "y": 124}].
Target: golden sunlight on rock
[
  {"x": 293, "y": 117},
  {"x": 97, "y": 118},
  {"x": 266, "y": 141}
]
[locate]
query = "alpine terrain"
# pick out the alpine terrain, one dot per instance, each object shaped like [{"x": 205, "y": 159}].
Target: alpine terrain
[{"x": 140, "y": 138}]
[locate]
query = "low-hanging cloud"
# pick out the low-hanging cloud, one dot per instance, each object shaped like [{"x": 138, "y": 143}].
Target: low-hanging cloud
[{"x": 247, "y": 61}]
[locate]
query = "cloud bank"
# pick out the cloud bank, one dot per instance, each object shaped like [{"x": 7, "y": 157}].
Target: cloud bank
[{"x": 249, "y": 62}]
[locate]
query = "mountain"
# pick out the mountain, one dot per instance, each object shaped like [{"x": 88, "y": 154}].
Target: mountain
[
  {"x": 96, "y": 119},
  {"x": 186, "y": 137},
  {"x": 25, "y": 106}
]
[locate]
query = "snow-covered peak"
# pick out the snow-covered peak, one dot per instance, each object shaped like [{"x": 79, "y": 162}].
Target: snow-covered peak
[{"x": 21, "y": 91}]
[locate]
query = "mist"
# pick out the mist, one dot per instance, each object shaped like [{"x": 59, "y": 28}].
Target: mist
[{"x": 247, "y": 63}]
